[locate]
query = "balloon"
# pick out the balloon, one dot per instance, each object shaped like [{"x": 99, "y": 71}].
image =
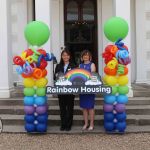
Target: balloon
[
  {"x": 109, "y": 99},
  {"x": 42, "y": 118},
  {"x": 121, "y": 117},
  {"x": 123, "y": 80},
  {"x": 108, "y": 108},
  {"x": 112, "y": 64},
  {"x": 28, "y": 82},
  {"x": 29, "y": 127},
  {"x": 29, "y": 110},
  {"x": 121, "y": 126},
  {"x": 37, "y": 73},
  {"x": 37, "y": 33},
  {"x": 122, "y": 99},
  {"x": 29, "y": 118},
  {"x": 123, "y": 90},
  {"x": 108, "y": 117},
  {"x": 116, "y": 28},
  {"x": 120, "y": 108},
  {"x": 40, "y": 101},
  {"x": 109, "y": 126},
  {"x": 111, "y": 72},
  {"x": 114, "y": 90},
  {"x": 41, "y": 83},
  {"x": 41, "y": 127},
  {"x": 41, "y": 91},
  {"x": 29, "y": 91},
  {"x": 41, "y": 110},
  {"x": 110, "y": 80},
  {"x": 29, "y": 101},
  {"x": 44, "y": 73}
]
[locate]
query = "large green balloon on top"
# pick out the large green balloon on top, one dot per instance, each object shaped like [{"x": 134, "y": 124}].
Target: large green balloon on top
[
  {"x": 116, "y": 28},
  {"x": 37, "y": 33}
]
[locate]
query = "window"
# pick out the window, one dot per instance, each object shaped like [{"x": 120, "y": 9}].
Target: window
[
  {"x": 88, "y": 11},
  {"x": 72, "y": 11}
]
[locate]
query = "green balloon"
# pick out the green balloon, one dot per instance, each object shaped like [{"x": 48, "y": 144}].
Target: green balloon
[
  {"x": 37, "y": 33},
  {"x": 114, "y": 90},
  {"x": 116, "y": 28},
  {"x": 123, "y": 90},
  {"x": 29, "y": 91},
  {"x": 41, "y": 91}
]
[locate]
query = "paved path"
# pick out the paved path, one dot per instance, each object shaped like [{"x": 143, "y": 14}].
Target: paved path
[{"x": 75, "y": 142}]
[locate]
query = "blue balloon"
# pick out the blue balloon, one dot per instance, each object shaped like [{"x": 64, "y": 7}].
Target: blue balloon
[
  {"x": 108, "y": 117},
  {"x": 28, "y": 100},
  {"x": 42, "y": 118},
  {"x": 109, "y": 126},
  {"x": 29, "y": 118},
  {"x": 121, "y": 117},
  {"x": 121, "y": 126},
  {"x": 40, "y": 101},
  {"x": 109, "y": 99},
  {"x": 30, "y": 127},
  {"x": 41, "y": 127},
  {"x": 122, "y": 99}
]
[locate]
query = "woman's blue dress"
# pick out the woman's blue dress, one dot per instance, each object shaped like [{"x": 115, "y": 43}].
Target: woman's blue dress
[{"x": 87, "y": 101}]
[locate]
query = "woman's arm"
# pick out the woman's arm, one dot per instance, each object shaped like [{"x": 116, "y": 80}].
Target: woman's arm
[{"x": 93, "y": 67}]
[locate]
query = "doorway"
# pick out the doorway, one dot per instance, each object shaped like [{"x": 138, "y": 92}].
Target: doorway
[{"x": 80, "y": 19}]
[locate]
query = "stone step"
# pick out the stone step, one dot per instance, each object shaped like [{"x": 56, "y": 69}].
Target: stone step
[
  {"x": 54, "y": 101},
  {"x": 54, "y": 110},
  {"x": 54, "y": 120},
  {"x": 76, "y": 129}
]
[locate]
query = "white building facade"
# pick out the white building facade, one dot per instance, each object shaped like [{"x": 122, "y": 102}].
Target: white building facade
[{"x": 15, "y": 14}]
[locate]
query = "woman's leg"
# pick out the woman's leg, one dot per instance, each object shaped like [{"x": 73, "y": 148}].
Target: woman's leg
[
  {"x": 69, "y": 113},
  {"x": 85, "y": 116},
  {"x": 92, "y": 114},
  {"x": 62, "y": 105}
]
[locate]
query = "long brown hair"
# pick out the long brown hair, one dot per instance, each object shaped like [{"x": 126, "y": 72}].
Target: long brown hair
[{"x": 68, "y": 53}]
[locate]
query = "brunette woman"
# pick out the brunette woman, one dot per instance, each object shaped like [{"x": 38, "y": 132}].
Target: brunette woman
[{"x": 66, "y": 102}]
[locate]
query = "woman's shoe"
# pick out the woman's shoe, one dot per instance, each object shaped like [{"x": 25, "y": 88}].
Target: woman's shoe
[
  {"x": 84, "y": 127},
  {"x": 62, "y": 128},
  {"x": 91, "y": 128}
]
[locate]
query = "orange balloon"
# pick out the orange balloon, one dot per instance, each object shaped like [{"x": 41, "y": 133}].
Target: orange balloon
[
  {"x": 26, "y": 76},
  {"x": 44, "y": 73},
  {"x": 37, "y": 73},
  {"x": 109, "y": 71}
]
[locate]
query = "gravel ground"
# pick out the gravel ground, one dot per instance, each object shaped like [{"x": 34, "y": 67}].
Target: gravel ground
[{"x": 75, "y": 142}]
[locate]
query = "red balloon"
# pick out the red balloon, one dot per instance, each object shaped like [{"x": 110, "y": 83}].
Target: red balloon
[
  {"x": 29, "y": 52},
  {"x": 42, "y": 52},
  {"x": 43, "y": 64}
]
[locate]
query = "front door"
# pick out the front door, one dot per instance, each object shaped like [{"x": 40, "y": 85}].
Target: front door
[{"x": 81, "y": 28}]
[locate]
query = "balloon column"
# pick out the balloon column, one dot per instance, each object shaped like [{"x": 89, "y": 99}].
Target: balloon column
[
  {"x": 32, "y": 65},
  {"x": 116, "y": 58}
]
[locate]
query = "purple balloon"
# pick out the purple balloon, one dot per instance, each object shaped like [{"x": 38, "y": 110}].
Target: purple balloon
[
  {"x": 41, "y": 109},
  {"x": 108, "y": 108},
  {"x": 29, "y": 110},
  {"x": 120, "y": 108}
]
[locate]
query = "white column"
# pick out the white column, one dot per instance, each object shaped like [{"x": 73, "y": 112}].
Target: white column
[
  {"x": 104, "y": 12},
  {"x": 43, "y": 13},
  {"x": 6, "y": 81},
  {"x": 122, "y": 9}
]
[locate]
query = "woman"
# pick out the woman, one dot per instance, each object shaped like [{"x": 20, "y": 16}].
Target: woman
[
  {"x": 87, "y": 101},
  {"x": 66, "y": 102}
]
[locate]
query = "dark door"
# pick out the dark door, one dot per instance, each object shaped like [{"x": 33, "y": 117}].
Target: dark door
[{"x": 81, "y": 28}]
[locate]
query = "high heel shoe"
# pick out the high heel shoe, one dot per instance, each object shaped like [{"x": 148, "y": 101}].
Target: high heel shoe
[
  {"x": 84, "y": 127},
  {"x": 91, "y": 128}
]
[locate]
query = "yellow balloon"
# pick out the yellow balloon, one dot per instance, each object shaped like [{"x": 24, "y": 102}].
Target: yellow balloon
[
  {"x": 123, "y": 80},
  {"x": 41, "y": 83},
  {"x": 110, "y": 80},
  {"x": 28, "y": 82}
]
